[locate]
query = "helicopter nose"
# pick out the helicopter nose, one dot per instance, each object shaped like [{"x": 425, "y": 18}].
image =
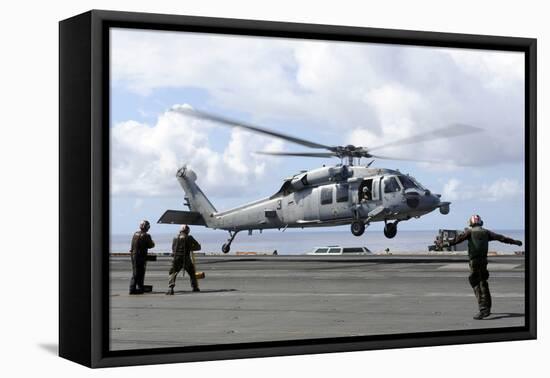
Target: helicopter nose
[
  {"x": 430, "y": 201},
  {"x": 435, "y": 200}
]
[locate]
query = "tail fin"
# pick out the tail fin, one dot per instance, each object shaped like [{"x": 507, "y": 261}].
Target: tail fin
[{"x": 197, "y": 200}]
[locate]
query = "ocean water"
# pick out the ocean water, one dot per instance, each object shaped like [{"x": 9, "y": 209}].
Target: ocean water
[{"x": 301, "y": 242}]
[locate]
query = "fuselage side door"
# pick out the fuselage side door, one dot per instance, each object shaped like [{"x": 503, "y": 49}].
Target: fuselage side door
[
  {"x": 391, "y": 191},
  {"x": 376, "y": 194},
  {"x": 369, "y": 192},
  {"x": 376, "y": 189}
]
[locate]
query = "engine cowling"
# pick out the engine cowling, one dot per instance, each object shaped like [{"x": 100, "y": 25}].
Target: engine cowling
[{"x": 322, "y": 176}]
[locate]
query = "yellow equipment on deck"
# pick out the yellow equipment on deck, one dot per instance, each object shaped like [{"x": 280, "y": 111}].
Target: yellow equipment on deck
[{"x": 199, "y": 275}]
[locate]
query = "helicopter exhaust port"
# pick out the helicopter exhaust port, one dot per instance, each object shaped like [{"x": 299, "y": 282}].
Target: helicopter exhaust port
[{"x": 445, "y": 208}]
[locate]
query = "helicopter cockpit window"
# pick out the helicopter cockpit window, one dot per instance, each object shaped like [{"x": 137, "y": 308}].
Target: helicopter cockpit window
[
  {"x": 407, "y": 182},
  {"x": 419, "y": 185},
  {"x": 391, "y": 185},
  {"x": 326, "y": 196}
]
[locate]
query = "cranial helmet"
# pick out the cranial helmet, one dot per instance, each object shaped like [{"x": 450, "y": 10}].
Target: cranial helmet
[
  {"x": 184, "y": 228},
  {"x": 475, "y": 220},
  {"x": 144, "y": 225}
]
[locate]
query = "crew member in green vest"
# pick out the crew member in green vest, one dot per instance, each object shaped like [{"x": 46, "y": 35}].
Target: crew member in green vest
[
  {"x": 478, "y": 246},
  {"x": 141, "y": 243},
  {"x": 183, "y": 246}
]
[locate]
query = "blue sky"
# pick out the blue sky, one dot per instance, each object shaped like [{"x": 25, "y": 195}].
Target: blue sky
[{"x": 330, "y": 92}]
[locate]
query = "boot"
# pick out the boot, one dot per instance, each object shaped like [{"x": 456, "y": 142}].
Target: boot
[
  {"x": 479, "y": 297},
  {"x": 486, "y": 295},
  {"x": 485, "y": 300},
  {"x": 170, "y": 291},
  {"x": 194, "y": 283},
  {"x": 482, "y": 314}
]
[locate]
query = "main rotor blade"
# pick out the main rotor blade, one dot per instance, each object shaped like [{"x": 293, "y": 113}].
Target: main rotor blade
[
  {"x": 234, "y": 123},
  {"x": 305, "y": 154},
  {"x": 440, "y": 162},
  {"x": 442, "y": 133}
]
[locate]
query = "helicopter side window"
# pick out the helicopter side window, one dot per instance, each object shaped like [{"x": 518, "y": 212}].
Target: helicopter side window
[
  {"x": 391, "y": 185},
  {"x": 342, "y": 193},
  {"x": 326, "y": 196}
]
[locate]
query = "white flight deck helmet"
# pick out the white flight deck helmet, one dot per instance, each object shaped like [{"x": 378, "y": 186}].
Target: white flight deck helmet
[
  {"x": 184, "y": 228},
  {"x": 475, "y": 220}
]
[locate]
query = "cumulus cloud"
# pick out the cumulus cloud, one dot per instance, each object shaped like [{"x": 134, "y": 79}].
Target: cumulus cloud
[
  {"x": 368, "y": 93},
  {"x": 436, "y": 88},
  {"x": 495, "y": 70},
  {"x": 499, "y": 190},
  {"x": 145, "y": 157}
]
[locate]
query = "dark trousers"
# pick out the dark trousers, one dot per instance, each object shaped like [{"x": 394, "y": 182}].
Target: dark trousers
[
  {"x": 478, "y": 280},
  {"x": 138, "y": 272},
  {"x": 182, "y": 262}
]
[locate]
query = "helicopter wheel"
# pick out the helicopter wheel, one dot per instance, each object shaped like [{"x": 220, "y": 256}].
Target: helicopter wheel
[
  {"x": 226, "y": 248},
  {"x": 357, "y": 228},
  {"x": 390, "y": 230}
]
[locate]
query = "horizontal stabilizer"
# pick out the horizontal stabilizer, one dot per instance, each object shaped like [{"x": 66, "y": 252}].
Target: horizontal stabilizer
[{"x": 182, "y": 217}]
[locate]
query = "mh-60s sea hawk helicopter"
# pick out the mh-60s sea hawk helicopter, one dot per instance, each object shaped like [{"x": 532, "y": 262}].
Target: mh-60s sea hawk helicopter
[{"x": 323, "y": 197}]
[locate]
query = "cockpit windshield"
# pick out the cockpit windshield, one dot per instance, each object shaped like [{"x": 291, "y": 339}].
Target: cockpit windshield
[
  {"x": 409, "y": 183},
  {"x": 417, "y": 183}
]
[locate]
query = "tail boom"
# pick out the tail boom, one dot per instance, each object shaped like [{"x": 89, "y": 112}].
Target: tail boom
[{"x": 198, "y": 202}]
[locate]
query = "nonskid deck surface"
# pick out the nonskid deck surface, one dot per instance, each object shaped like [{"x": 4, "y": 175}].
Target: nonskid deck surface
[{"x": 267, "y": 298}]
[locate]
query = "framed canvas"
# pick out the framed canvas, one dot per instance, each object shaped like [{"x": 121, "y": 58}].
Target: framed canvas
[{"x": 235, "y": 188}]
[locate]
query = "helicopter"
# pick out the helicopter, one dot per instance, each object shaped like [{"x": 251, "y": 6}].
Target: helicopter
[{"x": 344, "y": 194}]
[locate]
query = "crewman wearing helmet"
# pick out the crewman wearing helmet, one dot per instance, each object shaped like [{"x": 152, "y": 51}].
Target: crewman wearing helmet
[
  {"x": 478, "y": 246},
  {"x": 183, "y": 246},
  {"x": 141, "y": 242},
  {"x": 366, "y": 194}
]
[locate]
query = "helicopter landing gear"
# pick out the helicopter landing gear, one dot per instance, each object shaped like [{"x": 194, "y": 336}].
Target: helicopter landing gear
[
  {"x": 357, "y": 228},
  {"x": 390, "y": 229},
  {"x": 226, "y": 247}
]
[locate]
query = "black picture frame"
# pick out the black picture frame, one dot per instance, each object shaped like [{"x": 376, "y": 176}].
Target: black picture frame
[{"x": 84, "y": 187}]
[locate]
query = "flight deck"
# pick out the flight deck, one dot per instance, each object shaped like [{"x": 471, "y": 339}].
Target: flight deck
[{"x": 268, "y": 298}]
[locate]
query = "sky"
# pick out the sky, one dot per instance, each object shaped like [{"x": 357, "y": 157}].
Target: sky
[{"x": 334, "y": 93}]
